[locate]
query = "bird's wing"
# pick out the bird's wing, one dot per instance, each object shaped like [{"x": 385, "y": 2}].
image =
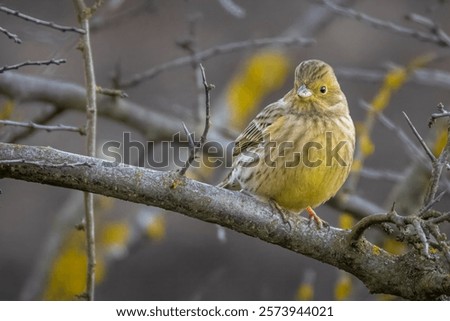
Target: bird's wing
[{"x": 253, "y": 135}]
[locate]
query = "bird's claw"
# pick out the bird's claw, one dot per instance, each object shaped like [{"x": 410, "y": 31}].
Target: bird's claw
[{"x": 314, "y": 217}]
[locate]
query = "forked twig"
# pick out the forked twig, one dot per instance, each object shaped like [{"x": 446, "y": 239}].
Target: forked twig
[{"x": 193, "y": 146}]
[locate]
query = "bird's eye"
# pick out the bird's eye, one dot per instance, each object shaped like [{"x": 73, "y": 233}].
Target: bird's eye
[{"x": 323, "y": 89}]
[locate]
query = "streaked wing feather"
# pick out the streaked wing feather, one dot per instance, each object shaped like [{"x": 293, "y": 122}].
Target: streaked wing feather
[{"x": 254, "y": 133}]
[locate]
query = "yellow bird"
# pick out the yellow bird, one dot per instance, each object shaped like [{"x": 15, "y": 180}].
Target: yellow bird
[{"x": 297, "y": 152}]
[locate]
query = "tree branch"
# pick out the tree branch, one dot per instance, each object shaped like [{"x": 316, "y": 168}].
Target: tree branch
[
  {"x": 42, "y": 118},
  {"x": 84, "y": 14},
  {"x": 438, "y": 165},
  {"x": 39, "y": 21},
  {"x": 435, "y": 36},
  {"x": 48, "y": 128},
  {"x": 33, "y": 63},
  {"x": 423, "y": 76},
  {"x": 68, "y": 96},
  {"x": 420, "y": 139},
  {"x": 214, "y": 51},
  {"x": 11, "y": 35},
  {"x": 408, "y": 275},
  {"x": 194, "y": 148}
]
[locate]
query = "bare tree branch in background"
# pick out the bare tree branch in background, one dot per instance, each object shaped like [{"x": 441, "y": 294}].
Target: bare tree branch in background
[
  {"x": 43, "y": 118},
  {"x": 231, "y": 7},
  {"x": 194, "y": 146},
  {"x": 48, "y": 128},
  {"x": 68, "y": 96},
  {"x": 40, "y": 22},
  {"x": 423, "y": 76},
  {"x": 435, "y": 35},
  {"x": 11, "y": 35},
  {"x": 84, "y": 14},
  {"x": 33, "y": 63},
  {"x": 202, "y": 56}
]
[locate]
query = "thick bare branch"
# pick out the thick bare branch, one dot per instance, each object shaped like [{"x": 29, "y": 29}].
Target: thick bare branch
[
  {"x": 153, "y": 125},
  {"x": 408, "y": 275}
]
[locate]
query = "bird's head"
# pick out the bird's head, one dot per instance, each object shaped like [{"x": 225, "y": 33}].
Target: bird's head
[{"x": 316, "y": 84}]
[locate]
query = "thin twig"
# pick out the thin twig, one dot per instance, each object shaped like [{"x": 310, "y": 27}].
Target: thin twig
[
  {"x": 440, "y": 39},
  {"x": 119, "y": 14},
  {"x": 91, "y": 128},
  {"x": 190, "y": 44},
  {"x": 442, "y": 113},
  {"x": 430, "y": 204},
  {"x": 208, "y": 88},
  {"x": 48, "y": 128},
  {"x": 424, "y": 76},
  {"x": 112, "y": 92},
  {"x": 432, "y": 26},
  {"x": 421, "y": 140},
  {"x": 232, "y": 8},
  {"x": 33, "y": 63},
  {"x": 409, "y": 146},
  {"x": 201, "y": 56},
  {"x": 444, "y": 217},
  {"x": 43, "y": 164},
  {"x": 11, "y": 35},
  {"x": 42, "y": 118},
  {"x": 382, "y": 174},
  {"x": 421, "y": 20},
  {"x": 438, "y": 165},
  {"x": 193, "y": 151},
  {"x": 40, "y": 22}
]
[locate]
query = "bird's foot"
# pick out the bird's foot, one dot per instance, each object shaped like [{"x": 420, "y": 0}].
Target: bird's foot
[
  {"x": 313, "y": 216},
  {"x": 282, "y": 211}
]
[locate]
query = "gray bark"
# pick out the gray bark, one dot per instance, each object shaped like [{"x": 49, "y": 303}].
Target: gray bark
[{"x": 410, "y": 276}]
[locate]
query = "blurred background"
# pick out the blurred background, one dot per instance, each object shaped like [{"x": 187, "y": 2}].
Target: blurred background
[{"x": 149, "y": 254}]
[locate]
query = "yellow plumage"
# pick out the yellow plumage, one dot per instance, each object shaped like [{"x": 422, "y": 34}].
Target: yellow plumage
[{"x": 298, "y": 151}]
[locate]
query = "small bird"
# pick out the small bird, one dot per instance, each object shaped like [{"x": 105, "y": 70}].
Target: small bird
[{"x": 297, "y": 152}]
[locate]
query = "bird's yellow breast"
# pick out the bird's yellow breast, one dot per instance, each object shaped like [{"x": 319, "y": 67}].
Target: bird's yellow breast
[{"x": 304, "y": 169}]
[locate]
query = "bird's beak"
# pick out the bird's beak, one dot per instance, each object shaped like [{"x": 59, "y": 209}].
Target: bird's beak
[{"x": 303, "y": 91}]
